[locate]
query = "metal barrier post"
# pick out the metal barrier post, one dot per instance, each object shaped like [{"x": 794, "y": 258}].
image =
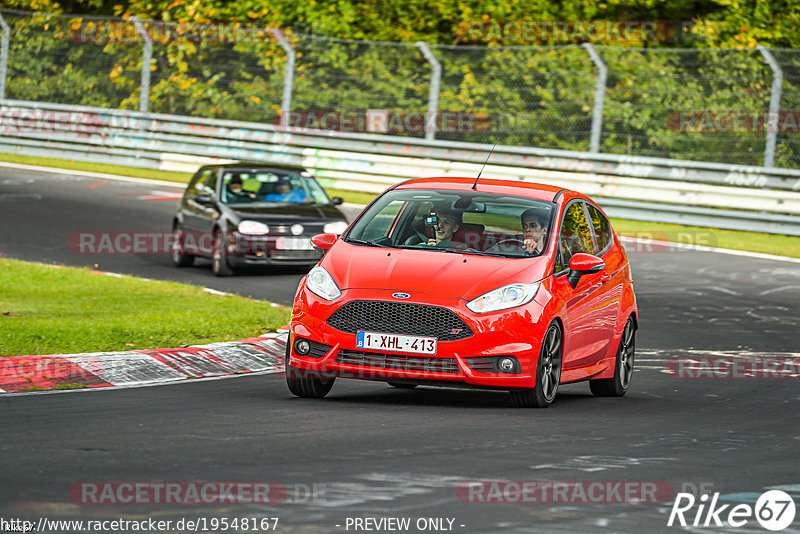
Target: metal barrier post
[
  {"x": 599, "y": 98},
  {"x": 4, "y": 44},
  {"x": 147, "y": 56},
  {"x": 774, "y": 105},
  {"x": 433, "y": 94},
  {"x": 288, "y": 75}
]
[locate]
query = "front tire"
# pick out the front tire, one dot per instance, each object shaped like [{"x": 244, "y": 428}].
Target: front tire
[
  {"x": 303, "y": 383},
  {"x": 219, "y": 258},
  {"x": 548, "y": 372},
  {"x": 623, "y": 366},
  {"x": 178, "y": 253}
]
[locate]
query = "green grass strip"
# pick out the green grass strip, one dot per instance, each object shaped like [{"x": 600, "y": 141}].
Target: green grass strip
[
  {"x": 47, "y": 309},
  {"x": 733, "y": 239}
]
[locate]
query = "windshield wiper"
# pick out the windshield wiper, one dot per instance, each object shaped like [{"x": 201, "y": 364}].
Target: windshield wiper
[
  {"x": 370, "y": 243},
  {"x": 478, "y": 253}
]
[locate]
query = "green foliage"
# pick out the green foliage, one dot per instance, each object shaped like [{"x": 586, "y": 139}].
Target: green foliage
[
  {"x": 46, "y": 310},
  {"x": 516, "y": 95}
]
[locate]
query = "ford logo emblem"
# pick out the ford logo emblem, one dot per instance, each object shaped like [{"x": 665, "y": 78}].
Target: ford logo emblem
[{"x": 401, "y": 295}]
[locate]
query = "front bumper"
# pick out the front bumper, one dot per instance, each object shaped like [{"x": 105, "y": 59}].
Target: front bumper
[
  {"x": 515, "y": 332},
  {"x": 268, "y": 250}
]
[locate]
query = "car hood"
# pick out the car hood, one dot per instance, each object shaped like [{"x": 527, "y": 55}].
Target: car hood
[
  {"x": 286, "y": 212},
  {"x": 461, "y": 276}
]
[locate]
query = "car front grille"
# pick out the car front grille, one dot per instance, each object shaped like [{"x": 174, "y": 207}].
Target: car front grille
[
  {"x": 399, "y": 318},
  {"x": 318, "y": 350},
  {"x": 397, "y": 361},
  {"x": 286, "y": 229},
  {"x": 482, "y": 364}
]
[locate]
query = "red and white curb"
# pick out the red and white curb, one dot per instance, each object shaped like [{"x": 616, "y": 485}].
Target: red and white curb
[{"x": 262, "y": 354}]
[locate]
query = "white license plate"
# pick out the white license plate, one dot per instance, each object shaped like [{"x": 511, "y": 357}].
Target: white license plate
[
  {"x": 293, "y": 243},
  {"x": 395, "y": 343}
]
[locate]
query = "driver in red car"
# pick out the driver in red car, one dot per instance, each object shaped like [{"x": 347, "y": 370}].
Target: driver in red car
[{"x": 534, "y": 229}]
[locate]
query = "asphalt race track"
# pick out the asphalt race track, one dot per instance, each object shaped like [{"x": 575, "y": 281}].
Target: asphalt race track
[{"x": 372, "y": 451}]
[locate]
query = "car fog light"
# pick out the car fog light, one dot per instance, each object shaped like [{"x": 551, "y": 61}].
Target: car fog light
[
  {"x": 302, "y": 347},
  {"x": 506, "y": 364}
]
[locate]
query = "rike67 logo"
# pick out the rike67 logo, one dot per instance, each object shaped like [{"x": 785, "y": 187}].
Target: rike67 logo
[{"x": 774, "y": 510}]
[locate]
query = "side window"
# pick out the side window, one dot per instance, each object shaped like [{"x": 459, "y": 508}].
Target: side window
[
  {"x": 197, "y": 185},
  {"x": 211, "y": 181},
  {"x": 381, "y": 225},
  {"x": 575, "y": 236},
  {"x": 602, "y": 229}
]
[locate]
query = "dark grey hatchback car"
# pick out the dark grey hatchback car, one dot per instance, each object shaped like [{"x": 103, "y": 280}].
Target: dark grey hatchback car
[{"x": 253, "y": 214}]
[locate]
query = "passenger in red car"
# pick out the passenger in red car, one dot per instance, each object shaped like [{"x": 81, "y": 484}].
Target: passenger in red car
[{"x": 448, "y": 224}]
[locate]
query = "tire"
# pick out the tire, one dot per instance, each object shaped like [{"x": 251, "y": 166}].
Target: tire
[
  {"x": 400, "y": 385},
  {"x": 623, "y": 366},
  {"x": 304, "y": 384},
  {"x": 219, "y": 258},
  {"x": 548, "y": 372},
  {"x": 179, "y": 257}
]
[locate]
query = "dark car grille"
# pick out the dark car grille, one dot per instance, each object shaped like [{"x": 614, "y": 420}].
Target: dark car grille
[
  {"x": 286, "y": 229},
  {"x": 397, "y": 361},
  {"x": 399, "y": 318}
]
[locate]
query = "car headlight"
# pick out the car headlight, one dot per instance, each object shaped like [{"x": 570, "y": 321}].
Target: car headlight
[
  {"x": 320, "y": 283},
  {"x": 253, "y": 228},
  {"x": 335, "y": 227},
  {"x": 503, "y": 297}
]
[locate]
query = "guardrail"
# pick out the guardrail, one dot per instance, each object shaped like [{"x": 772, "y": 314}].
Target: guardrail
[{"x": 686, "y": 192}]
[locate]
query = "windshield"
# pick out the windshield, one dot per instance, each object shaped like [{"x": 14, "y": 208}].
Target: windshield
[
  {"x": 270, "y": 185},
  {"x": 448, "y": 221}
]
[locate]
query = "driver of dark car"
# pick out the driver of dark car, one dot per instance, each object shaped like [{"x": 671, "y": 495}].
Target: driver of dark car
[{"x": 235, "y": 191}]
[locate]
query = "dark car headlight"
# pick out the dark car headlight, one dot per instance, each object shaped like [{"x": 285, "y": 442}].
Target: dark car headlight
[
  {"x": 336, "y": 227},
  {"x": 253, "y": 228}
]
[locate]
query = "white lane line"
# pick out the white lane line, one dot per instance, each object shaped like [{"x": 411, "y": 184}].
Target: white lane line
[
  {"x": 215, "y": 292},
  {"x": 703, "y": 248},
  {"x": 726, "y": 290},
  {"x": 777, "y": 289},
  {"x": 89, "y": 174},
  {"x": 170, "y": 382}
]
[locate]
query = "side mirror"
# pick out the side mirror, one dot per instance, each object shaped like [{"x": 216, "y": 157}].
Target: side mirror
[
  {"x": 335, "y": 201},
  {"x": 323, "y": 241},
  {"x": 204, "y": 200},
  {"x": 581, "y": 264}
]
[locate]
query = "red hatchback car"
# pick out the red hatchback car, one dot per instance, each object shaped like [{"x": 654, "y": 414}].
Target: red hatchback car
[{"x": 457, "y": 282}]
